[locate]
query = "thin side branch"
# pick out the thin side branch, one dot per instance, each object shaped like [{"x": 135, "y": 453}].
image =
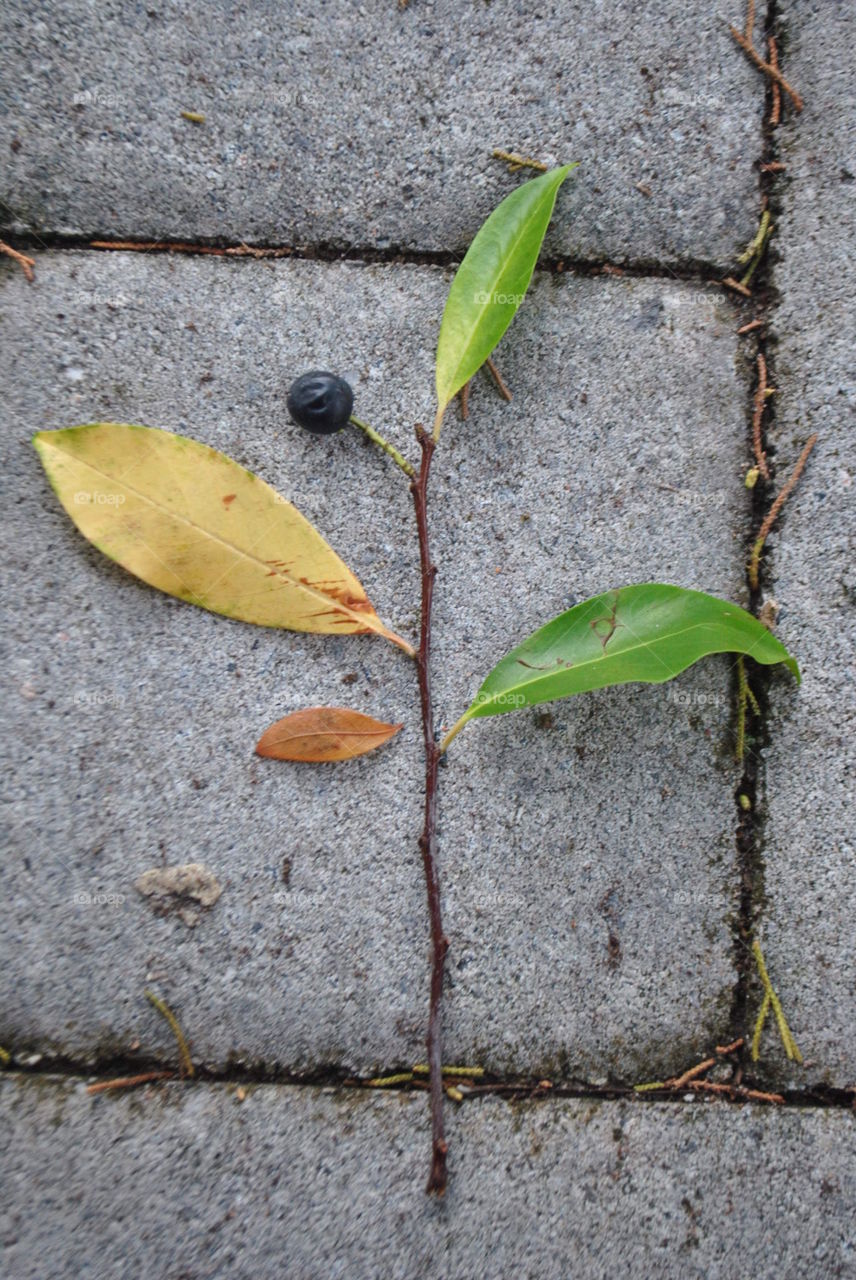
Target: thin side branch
[
  {"x": 698, "y": 1070},
  {"x": 497, "y": 377},
  {"x": 180, "y": 246},
  {"x": 772, "y": 514},
  {"x": 26, "y": 264},
  {"x": 129, "y": 1082},
  {"x": 427, "y": 841},
  {"x": 731, "y": 283},
  {"x": 184, "y": 1058},
  {"x": 776, "y": 105},
  {"x": 757, "y": 417},
  {"x": 770, "y": 998}
]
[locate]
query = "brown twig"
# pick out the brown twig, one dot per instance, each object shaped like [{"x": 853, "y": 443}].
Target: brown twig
[
  {"x": 680, "y": 1081},
  {"x": 497, "y": 377},
  {"x": 734, "y": 1091},
  {"x": 129, "y": 1082},
  {"x": 773, "y": 166},
  {"x": 773, "y": 72},
  {"x": 772, "y": 514},
  {"x": 753, "y": 324},
  {"x": 178, "y": 246},
  {"x": 730, "y": 1048},
  {"x": 757, "y": 417},
  {"x": 750, "y": 20},
  {"x": 427, "y": 841},
  {"x": 26, "y": 264},
  {"x": 776, "y": 105},
  {"x": 731, "y": 283}
]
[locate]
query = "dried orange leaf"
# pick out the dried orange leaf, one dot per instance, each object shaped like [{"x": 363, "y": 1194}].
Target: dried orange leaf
[{"x": 317, "y": 734}]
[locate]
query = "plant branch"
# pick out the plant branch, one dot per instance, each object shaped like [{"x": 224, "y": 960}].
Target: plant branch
[
  {"x": 129, "y": 1082},
  {"x": 389, "y": 449},
  {"x": 770, "y": 998},
  {"x": 770, "y": 518},
  {"x": 497, "y": 377},
  {"x": 185, "y": 1060},
  {"x": 427, "y": 841},
  {"x": 26, "y": 264},
  {"x": 773, "y": 72},
  {"x": 757, "y": 416}
]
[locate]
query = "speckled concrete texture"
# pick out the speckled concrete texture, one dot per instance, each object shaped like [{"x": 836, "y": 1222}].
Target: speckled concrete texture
[
  {"x": 373, "y": 126},
  {"x": 588, "y": 858},
  {"x": 187, "y": 1180}
]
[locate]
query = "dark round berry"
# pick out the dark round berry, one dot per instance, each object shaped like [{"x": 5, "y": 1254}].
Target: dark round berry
[{"x": 320, "y": 402}]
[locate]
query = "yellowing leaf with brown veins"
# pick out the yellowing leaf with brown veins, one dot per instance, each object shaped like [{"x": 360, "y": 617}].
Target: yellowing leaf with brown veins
[
  {"x": 195, "y": 524},
  {"x": 324, "y": 733}
]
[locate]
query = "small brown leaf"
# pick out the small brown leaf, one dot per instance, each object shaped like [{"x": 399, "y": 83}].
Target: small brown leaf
[{"x": 324, "y": 733}]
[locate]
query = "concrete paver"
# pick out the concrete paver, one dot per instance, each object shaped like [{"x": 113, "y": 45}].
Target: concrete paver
[
  {"x": 372, "y": 126},
  {"x": 133, "y": 716},
  {"x": 305, "y": 1182}
]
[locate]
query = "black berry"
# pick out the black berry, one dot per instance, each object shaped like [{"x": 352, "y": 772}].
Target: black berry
[{"x": 320, "y": 402}]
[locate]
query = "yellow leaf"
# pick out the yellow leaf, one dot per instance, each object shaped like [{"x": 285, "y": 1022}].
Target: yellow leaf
[
  {"x": 324, "y": 733},
  {"x": 195, "y": 524}
]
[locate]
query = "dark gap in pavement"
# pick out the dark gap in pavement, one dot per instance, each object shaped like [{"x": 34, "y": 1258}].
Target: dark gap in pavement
[
  {"x": 332, "y": 1076},
  {"x": 751, "y": 823},
  {"x": 31, "y": 242}
]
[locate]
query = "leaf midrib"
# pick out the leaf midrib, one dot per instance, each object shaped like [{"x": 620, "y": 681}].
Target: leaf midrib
[
  {"x": 486, "y": 305},
  {"x": 314, "y": 592},
  {"x": 608, "y": 657},
  {"x": 336, "y": 733}
]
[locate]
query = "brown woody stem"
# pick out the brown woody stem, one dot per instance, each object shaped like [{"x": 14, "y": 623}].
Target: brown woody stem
[{"x": 427, "y": 841}]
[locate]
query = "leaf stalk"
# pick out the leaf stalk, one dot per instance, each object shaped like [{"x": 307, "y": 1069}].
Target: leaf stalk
[
  {"x": 453, "y": 733},
  {"x": 389, "y": 449},
  {"x": 438, "y": 424}
]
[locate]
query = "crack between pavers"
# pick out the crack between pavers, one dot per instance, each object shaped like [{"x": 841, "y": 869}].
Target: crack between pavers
[
  {"x": 513, "y": 1088},
  {"x": 751, "y": 823},
  {"x": 697, "y": 271}
]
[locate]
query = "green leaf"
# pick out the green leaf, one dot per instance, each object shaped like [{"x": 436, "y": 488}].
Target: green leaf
[
  {"x": 646, "y": 633},
  {"x": 491, "y": 282},
  {"x": 197, "y": 525}
]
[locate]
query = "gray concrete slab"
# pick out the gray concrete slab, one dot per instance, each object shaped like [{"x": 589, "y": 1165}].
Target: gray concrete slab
[
  {"x": 132, "y": 716},
  {"x": 374, "y": 126},
  {"x": 187, "y": 1180},
  {"x": 811, "y": 835}
]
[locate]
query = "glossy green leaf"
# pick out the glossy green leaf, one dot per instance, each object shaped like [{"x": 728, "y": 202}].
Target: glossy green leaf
[
  {"x": 647, "y": 633},
  {"x": 197, "y": 525},
  {"x": 491, "y": 282}
]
